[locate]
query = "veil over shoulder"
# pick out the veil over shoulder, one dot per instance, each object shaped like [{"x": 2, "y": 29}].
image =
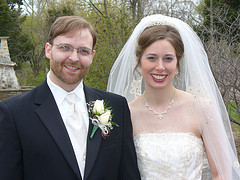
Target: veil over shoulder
[{"x": 196, "y": 78}]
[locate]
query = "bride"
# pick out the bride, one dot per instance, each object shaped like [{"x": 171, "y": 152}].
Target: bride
[{"x": 176, "y": 108}]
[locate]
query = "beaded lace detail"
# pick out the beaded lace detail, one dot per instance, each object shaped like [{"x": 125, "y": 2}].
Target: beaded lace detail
[{"x": 169, "y": 155}]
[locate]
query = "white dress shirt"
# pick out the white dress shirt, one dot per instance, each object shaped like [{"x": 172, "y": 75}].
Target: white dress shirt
[{"x": 59, "y": 95}]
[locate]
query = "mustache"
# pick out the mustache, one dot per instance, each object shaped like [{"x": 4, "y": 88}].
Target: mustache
[{"x": 74, "y": 64}]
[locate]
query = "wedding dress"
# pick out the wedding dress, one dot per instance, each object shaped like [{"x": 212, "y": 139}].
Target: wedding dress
[{"x": 169, "y": 155}]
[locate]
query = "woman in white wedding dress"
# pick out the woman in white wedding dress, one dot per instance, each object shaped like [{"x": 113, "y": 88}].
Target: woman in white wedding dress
[{"x": 176, "y": 108}]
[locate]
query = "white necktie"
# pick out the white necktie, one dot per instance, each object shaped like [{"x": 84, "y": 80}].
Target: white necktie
[{"x": 77, "y": 131}]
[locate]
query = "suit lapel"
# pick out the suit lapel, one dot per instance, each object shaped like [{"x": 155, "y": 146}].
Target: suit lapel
[
  {"x": 54, "y": 123},
  {"x": 93, "y": 144}
]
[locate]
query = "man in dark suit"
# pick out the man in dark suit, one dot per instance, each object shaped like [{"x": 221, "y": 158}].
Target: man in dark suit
[{"x": 37, "y": 139}]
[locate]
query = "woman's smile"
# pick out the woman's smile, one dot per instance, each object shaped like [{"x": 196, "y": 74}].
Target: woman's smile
[{"x": 159, "y": 78}]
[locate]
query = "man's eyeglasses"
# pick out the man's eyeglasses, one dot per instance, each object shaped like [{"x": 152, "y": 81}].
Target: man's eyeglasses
[{"x": 69, "y": 49}]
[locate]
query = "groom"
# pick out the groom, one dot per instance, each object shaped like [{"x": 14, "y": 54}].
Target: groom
[{"x": 39, "y": 137}]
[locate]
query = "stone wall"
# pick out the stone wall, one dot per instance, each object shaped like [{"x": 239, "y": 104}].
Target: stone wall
[{"x": 5, "y": 93}]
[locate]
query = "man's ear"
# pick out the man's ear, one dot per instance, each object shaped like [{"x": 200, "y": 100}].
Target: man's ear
[
  {"x": 48, "y": 50},
  {"x": 93, "y": 53}
]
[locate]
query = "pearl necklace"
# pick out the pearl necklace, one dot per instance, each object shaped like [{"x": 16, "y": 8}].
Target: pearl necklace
[{"x": 160, "y": 114}]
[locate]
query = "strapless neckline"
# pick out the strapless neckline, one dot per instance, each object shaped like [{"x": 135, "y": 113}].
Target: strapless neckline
[
  {"x": 190, "y": 134},
  {"x": 169, "y": 155}
]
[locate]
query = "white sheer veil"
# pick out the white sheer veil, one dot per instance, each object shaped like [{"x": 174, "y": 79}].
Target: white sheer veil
[{"x": 196, "y": 78}]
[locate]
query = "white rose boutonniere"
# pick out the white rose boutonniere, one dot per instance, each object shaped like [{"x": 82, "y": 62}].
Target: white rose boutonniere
[
  {"x": 101, "y": 117},
  {"x": 98, "y": 107},
  {"x": 104, "y": 118}
]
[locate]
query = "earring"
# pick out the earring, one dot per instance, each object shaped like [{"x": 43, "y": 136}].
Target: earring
[{"x": 176, "y": 72}]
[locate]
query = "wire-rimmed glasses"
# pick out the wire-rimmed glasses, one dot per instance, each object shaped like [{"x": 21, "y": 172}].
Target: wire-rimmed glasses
[{"x": 68, "y": 49}]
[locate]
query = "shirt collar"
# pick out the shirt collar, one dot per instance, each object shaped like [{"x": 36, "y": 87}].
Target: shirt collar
[{"x": 60, "y": 94}]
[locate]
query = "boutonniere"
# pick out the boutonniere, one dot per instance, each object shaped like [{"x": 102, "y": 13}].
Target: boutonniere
[{"x": 101, "y": 117}]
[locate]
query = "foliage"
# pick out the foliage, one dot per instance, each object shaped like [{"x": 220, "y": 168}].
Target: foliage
[
  {"x": 113, "y": 29},
  {"x": 231, "y": 108},
  {"x": 9, "y": 15},
  {"x": 26, "y": 76},
  {"x": 20, "y": 47},
  {"x": 10, "y": 25},
  {"x": 222, "y": 45},
  {"x": 37, "y": 26},
  {"x": 213, "y": 9},
  {"x": 232, "y": 4},
  {"x": 57, "y": 11},
  {"x": 5, "y": 18}
]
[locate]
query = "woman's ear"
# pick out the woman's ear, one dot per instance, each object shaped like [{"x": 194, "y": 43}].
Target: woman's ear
[{"x": 138, "y": 62}]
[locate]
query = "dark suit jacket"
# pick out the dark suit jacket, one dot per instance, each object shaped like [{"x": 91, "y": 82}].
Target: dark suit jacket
[{"x": 34, "y": 143}]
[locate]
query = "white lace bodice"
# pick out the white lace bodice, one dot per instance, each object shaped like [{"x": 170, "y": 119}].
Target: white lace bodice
[{"x": 168, "y": 156}]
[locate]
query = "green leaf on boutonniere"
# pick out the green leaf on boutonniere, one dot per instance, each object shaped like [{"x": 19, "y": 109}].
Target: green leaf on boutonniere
[
  {"x": 93, "y": 131},
  {"x": 115, "y": 124}
]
